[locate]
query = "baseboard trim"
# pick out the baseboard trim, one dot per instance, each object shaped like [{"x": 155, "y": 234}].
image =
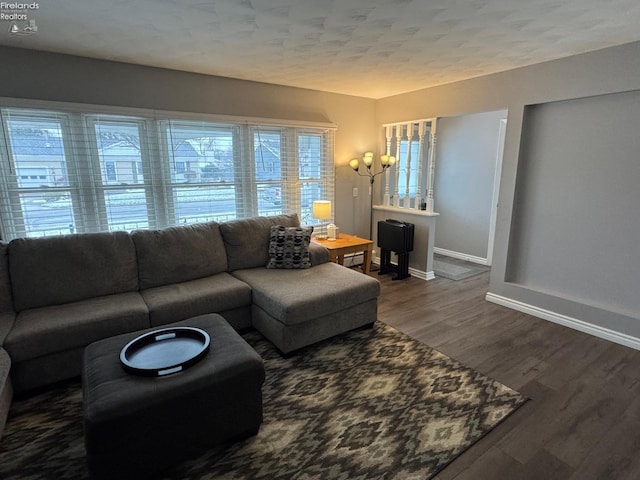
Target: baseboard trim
[
  {"x": 421, "y": 274},
  {"x": 414, "y": 272},
  {"x": 564, "y": 320},
  {"x": 461, "y": 256}
]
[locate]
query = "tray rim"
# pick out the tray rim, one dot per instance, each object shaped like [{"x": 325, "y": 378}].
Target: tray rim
[{"x": 150, "y": 338}]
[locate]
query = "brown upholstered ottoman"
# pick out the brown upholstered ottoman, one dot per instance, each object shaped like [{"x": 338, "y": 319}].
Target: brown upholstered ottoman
[{"x": 137, "y": 426}]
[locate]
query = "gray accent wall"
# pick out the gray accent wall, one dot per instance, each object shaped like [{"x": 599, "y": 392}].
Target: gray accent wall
[
  {"x": 467, "y": 148},
  {"x": 567, "y": 245},
  {"x": 576, "y": 226}
]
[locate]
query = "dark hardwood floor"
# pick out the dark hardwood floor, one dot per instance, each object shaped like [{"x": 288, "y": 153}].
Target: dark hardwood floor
[{"x": 583, "y": 419}]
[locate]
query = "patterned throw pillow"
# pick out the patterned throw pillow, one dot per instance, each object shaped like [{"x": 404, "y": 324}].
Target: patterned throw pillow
[{"x": 289, "y": 247}]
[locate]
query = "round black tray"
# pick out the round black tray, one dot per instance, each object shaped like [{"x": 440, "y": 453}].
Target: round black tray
[{"x": 165, "y": 351}]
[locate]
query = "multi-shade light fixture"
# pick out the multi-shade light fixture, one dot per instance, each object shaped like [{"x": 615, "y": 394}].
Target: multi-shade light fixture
[{"x": 386, "y": 161}]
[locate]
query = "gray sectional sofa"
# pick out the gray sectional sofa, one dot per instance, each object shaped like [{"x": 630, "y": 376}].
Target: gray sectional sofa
[{"x": 59, "y": 294}]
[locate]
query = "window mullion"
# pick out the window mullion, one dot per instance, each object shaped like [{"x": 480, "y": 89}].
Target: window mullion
[
  {"x": 291, "y": 170},
  {"x": 13, "y": 223},
  {"x": 80, "y": 158},
  {"x": 327, "y": 166},
  {"x": 244, "y": 168},
  {"x": 155, "y": 166}
]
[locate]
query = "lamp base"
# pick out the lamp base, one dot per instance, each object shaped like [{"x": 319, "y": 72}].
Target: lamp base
[{"x": 321, "y": 236}]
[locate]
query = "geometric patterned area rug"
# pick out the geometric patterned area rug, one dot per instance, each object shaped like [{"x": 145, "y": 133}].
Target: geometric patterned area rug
[
  {"x": 370, "y": 404},
  {"x": 456, "y": 269}
]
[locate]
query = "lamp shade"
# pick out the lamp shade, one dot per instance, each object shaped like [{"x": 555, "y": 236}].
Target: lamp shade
[
  {"x": 367, "y": 159},
  {"x": 354, "y": 163},
  {"x": 322, "y": 209}
]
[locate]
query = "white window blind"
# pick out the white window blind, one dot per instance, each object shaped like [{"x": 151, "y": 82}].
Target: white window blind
[{"x": 82, "y": 170}]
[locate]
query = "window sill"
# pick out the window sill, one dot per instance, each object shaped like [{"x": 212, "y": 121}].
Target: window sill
[{"x": 410, "y": 211}]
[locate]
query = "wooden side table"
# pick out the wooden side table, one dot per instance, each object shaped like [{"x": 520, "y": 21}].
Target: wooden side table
[{"x": 346, "y": 244}]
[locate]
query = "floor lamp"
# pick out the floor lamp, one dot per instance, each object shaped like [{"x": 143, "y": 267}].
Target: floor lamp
[{"x": 386, "y": 161}]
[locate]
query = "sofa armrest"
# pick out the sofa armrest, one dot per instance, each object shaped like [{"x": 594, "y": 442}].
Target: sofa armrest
[{"x": 318, "y": 254}]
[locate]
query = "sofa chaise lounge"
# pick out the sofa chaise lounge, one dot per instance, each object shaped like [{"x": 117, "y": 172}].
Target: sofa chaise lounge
[{"x": 59, "y": 294}]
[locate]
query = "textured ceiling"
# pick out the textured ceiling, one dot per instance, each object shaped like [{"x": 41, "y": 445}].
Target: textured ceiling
[{"x": 370, "y": 48}]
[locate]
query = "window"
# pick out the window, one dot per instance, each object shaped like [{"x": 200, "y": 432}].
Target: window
[
  {"x": 79, "y": 170},
  {"x": 311, "y": 174},
  {"x": 122, "y": 192},
  {"x": 413, "y": 170},
  {"x": 38, "y": 191},
  {"x": 202, "y": 171},
  {"x": 269, "y": 162},
  {"x": 410, "y": 179}
]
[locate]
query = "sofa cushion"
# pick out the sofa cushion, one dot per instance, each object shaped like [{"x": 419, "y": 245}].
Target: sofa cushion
[
  {"x": 297, "y": 296},
  {"x": 179, "y": 254},
  {"x": 289, "y": 247},
  {"x": 69, "y": 268},
  {"x": 47, "y": 330},
  {"x": 6, "y": 301},
  {"x": 247, "y": 240},
  {"x": 177, "y": 301}
]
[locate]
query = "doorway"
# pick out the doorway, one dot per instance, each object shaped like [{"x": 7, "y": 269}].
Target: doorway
[{"x": 467, "y": 181}]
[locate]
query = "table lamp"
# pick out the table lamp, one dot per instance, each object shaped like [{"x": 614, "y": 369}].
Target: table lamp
[{"x": 321, "y": 211}]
